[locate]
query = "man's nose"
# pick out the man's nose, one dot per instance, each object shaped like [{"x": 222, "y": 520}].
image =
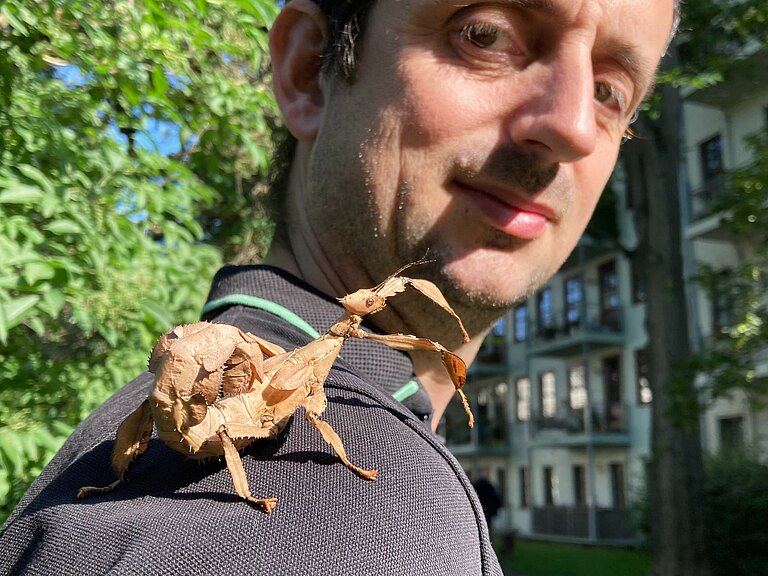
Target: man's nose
[{"x": 557, "y": 118}]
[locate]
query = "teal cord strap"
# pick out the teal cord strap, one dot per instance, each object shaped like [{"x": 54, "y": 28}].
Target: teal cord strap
[
  {"x": 262, "y": 304},
  {"x": 295, "y": 320},
  {"x": 406, "y": 391}
]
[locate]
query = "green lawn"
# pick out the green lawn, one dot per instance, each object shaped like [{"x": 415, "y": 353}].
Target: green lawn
[{"x": 549, "y": 559}]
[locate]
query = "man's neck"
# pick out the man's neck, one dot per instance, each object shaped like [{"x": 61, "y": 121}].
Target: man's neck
[{"x": 428, "y": 366}]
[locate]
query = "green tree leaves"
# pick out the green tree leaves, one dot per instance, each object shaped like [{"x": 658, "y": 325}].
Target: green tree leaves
[
  {"x": 134, "y": 142},
  {"x": 739, "y": 290}
]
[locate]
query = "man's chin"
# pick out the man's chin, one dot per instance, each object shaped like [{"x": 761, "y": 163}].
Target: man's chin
[
  {"x": 481, "y": 283},
  {"x": 492, "y": 298},
  {"x": 493, "y": 280},
  {"x": 480, "y": 299}
]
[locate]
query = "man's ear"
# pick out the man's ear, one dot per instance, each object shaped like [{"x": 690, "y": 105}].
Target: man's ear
[{"x": 296, "y": 42}]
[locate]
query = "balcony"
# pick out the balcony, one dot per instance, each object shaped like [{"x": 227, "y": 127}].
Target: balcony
[
  {"x": 609, "y": 427},
  {"x": 492, "y": 356},
  {"x": 490, "y": 434},
  {"x": 489, "y": 437},
  {"x": 573, "y": 522},
  {"x": 746, "y": 74},
  {"x": 705, "y": 209},
  {"x": 569, "y": 331},
  {"x": 704, "y": 201}
]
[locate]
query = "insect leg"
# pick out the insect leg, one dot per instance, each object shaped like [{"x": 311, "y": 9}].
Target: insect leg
[
  {"x": 453, "y": 364},
  {"x": 236, "y": 471},
  {"x": 330, "y": 436},
  {"x": 130, "y": 442}
]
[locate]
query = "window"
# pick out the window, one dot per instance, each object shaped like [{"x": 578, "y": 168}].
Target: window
[
  {"x": 523, "y": 399},
  {"x": 501, "y": 396},
  {"x": 550, "y": 486},
  {"x": 573, "y": 301},
  {"x": 617, "y": 485},
  {"x": 498, "y": 327},
  {"x": 501, "y": 482},
  {"x": 523, "y": 480},
  {"x": 494, "y": 346},
  {"x": 712, "y": 171},
  {"x": 638, "y": 284},
  {"x": 731, "y": 433},
  {"x": 642, "y": 370},
  {"x": 579, "y": 485},
  {"x": 547, "y": 394},
  {"x": 521, "y": 323},
  {"x": 614, "y": 404},
  {"x": 577, "y": 392},
  {"x": 711, "y": 154},
  {"x": 491, "y": 413},
  {"x": 609, "y": 296},
  {"x": 546, "y": 316},
  {"x": 722, "y": 303}
]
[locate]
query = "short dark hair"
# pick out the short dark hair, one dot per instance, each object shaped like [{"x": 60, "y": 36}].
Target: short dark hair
[{"x": 346, "y": 20}]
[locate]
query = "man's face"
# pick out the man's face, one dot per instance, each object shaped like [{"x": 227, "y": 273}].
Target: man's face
[{"x": 482, "y": 131}]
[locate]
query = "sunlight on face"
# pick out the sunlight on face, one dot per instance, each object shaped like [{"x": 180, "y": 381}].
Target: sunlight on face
[{"x": 484, "y": 132}]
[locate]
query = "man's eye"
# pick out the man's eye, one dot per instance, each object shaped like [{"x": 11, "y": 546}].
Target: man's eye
[
  {"x": 480, "y": 34},
  {"x": 608, "y": 95}
]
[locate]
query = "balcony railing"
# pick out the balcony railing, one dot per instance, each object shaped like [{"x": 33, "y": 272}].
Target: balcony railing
[
  {"x": 579, "y": 319},
  {"x": 491, "y": 433},
  {"x": 573, "y": 522},
  {"x": 493, "y": 351},
  {"x": 704, "y": 200},
  {"x": 611, "y": 419}
]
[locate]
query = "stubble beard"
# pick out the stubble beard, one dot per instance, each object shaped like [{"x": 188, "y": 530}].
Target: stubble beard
[
  {"x": 473, "y": 293},
  {"x": 479, "y": 305},
  {"x": 370, "y": 241}
]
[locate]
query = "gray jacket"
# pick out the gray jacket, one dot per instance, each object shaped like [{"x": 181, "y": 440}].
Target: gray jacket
[{"x": 182, "y": 516}]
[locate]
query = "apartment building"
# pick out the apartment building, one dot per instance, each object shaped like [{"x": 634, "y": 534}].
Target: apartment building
[
  {"x": 560, "y": 390},
  {"x": 718, "y": 120}
]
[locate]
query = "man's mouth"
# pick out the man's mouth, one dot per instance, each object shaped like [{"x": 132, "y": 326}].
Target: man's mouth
[{"x": 515, "y": 217}]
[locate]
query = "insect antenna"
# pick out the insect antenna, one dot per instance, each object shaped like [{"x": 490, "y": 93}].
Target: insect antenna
[{"x": 419, "y": 262}]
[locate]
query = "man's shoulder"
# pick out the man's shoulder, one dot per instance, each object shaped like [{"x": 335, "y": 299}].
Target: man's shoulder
[
  {"x": 178, "y": 515},
  {"x": 175, "y": 515}
]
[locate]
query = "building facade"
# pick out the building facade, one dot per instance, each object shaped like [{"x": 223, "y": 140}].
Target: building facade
[{"x": 560, "y": 389}]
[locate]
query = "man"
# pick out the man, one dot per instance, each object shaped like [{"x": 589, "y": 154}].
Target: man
[
  {"x": 483, "y": 132},
  {"x": 488, "y": 496}
]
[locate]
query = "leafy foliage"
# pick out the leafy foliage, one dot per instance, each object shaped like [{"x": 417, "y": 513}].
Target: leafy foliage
[
  {"x": 715, "y": 36},
  {"x": 716, "y": 32},
  {"x": 134, "y": 141},
  {"x": 735, "y": 504},
  {"x": 736, "y": 495},
  {"x": 740, "y": 289}
]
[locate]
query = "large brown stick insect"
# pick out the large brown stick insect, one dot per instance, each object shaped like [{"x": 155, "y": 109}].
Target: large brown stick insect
[{"x": 215, "y": 393}]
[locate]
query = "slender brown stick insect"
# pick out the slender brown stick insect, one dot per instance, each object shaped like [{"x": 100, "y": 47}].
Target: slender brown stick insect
[{"x": 215, "y": 392}]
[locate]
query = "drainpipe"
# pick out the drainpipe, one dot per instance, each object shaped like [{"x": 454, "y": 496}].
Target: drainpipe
[
  {"x": 689, "y": 270},
  {"x": 591, "y": 485}
]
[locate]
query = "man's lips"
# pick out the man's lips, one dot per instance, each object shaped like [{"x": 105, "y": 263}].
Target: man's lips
[{"x": 521, "y": 219}]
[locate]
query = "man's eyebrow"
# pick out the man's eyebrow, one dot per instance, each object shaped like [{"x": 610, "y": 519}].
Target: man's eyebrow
[
  {"x": 545, "y": 6},
  {"x": 629, "y": 58}
]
